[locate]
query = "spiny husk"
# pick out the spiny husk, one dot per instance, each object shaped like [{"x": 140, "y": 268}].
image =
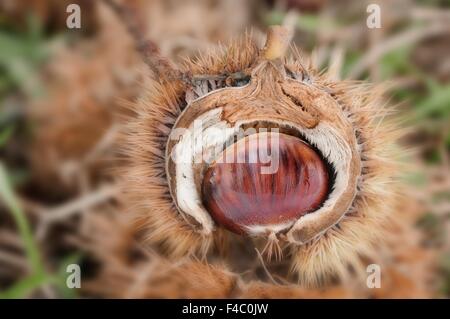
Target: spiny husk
[
  {"x": 343, "y": 252},
  {"x": 130, "y": 269}
]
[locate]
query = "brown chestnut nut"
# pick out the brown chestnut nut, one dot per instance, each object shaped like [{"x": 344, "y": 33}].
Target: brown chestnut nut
[{"x": 246, "y": 196}]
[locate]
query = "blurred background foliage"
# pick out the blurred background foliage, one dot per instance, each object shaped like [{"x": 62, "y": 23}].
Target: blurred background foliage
[{"x": 411, "y": 53}]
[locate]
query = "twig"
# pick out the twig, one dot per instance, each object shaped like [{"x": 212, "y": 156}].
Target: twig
[
  {"x": 85, "y": 201},
  {"x": 11, "y": 239},
  {"x": 149, "y": 51},
  {"x": 73, "y": 207},
  {"x": 105, "y": 142},
  {"x": 14, "y": 261},
  {"x": 427, "y": 13},
  {"x": 403, "y": 39}
]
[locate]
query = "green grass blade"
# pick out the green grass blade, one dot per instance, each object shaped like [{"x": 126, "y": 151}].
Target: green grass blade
[{"x": 31, "y": 249}]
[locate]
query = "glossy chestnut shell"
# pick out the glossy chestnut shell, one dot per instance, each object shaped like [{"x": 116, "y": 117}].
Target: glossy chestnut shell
[{"x": 240, "y": 195}]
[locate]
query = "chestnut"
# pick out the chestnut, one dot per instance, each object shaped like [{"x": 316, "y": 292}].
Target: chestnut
[{"x": 240, "y": 195}]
